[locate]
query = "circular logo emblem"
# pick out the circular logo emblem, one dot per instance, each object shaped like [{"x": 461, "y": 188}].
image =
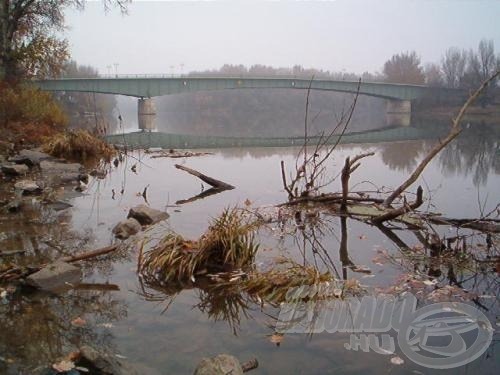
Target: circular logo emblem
[{"x": 445, "y": 335}]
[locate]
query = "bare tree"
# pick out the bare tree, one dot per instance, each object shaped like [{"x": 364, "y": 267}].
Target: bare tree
[
  {"x": 486, "y": 52},
  {"x": 433, "y": 75},
  {"x": 453, "y": 66}
]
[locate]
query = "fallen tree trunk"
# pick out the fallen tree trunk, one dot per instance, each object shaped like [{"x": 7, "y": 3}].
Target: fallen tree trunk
[{"x": 209, "y": 180}]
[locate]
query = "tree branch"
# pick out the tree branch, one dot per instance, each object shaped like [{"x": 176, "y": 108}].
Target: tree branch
[{"x": 454, "y": 132}]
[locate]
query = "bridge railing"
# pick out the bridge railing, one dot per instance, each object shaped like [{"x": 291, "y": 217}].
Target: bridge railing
[{"x": 221, "y": 75}]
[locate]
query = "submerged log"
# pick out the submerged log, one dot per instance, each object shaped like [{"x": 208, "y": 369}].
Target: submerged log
[
  {"x": 482, "y": 225},
  {"x": 16, "y": 272},
  {"x": 209, "y": 180}
]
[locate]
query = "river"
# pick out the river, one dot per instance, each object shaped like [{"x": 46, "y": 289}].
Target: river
[{"x": 169, "y": 332}]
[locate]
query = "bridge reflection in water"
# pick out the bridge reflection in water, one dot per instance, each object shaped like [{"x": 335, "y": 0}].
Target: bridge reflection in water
[{"x": 168, "y": 140}]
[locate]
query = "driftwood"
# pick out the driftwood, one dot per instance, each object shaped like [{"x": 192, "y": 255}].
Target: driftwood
[
  {"x": 250, "y": 365},
  {"x": 16, "y": 272},
  {"x": 209, "y": 180},
  {"x": 97, "y": 287}
]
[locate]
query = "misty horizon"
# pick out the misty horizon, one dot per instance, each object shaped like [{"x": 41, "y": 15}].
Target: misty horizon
[{"x": 338, "y": 36}]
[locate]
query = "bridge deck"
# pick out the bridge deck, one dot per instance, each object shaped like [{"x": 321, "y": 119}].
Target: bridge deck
[{"x": 146, "y": 87}]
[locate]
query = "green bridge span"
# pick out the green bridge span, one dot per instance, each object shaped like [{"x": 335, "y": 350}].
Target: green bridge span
[
  {"x": 148, "y": 87},
  {"x": 398, "y": 96}
]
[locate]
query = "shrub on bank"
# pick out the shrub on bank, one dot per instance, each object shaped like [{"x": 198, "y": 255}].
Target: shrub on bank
[
  {"x": 78, "y": 145},
  {"x": 29, "y": 115}
]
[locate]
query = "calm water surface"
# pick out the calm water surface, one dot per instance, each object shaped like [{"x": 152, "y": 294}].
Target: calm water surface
[{"x": 171, "y": 333}]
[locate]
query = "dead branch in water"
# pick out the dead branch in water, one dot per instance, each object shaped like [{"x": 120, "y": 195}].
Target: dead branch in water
[
  {"x": 349, "y": 167},
  {"x": 209, "y": 180},
  {"x": 482, "y": 224},
  {"x": 392, "y": 214},
  {"x": 330, "y": 198},
  {"x": 312, "y": 169},
  {"x": 17, "y": 272},
  {"x": 454, "y": 132},
  {"x": 90, "y": 254}
]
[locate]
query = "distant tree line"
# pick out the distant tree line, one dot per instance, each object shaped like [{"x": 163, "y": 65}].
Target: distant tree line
[
  {"x": 298, "y": 71},
  {"x": 459, "y": 68}
]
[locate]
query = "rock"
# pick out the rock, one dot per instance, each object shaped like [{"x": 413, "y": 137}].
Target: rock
[
  {"x": 104, "y": 363},
  {"x": 53, "y": 167},
  {"x": 14, "y": 169},
  {"x": 6, "y": 147},
  {"x": 14, "y": 206},
  {"x": 219, "y": 365},
  {"x": 98, "y": 173},
  {"x": 55, "y": 276},
  {"x": 58, "y": 205},
  {"x": 5, "y": 253},
  {"x": 126, "y": 228},
  {"x": 28, "y": 187},
  {"x": 30, "y": 157},
  {"x": 147, "y": 215},
  {"x": 69, "y": 177}
]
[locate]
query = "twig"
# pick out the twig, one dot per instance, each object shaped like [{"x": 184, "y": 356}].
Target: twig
[
  {"x": 16, "y": 272},
  {"x": 90, "y": 254}
]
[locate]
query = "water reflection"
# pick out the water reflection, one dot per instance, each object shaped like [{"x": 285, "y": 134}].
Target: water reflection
[
  {"x": 464, "y": 259},
  {"x": 476, "y": 152},
  {"x": 37, "y": 328}
]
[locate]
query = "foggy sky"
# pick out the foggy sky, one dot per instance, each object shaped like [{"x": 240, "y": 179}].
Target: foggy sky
[{"x": 350, "y": 35}]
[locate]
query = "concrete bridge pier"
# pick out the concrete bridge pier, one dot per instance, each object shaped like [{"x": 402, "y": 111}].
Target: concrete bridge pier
[
  {"x": 146, "y": 114},
  {"x": 398, "y": 112}
]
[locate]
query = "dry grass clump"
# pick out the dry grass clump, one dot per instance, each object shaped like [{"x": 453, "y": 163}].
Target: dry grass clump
[
  {"x": 78, "y": 145},
  {"x": 228, "y": 243},
  {"x": 273, "y": 285}
]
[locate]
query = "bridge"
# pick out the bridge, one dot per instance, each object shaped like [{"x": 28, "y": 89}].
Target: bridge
[{"x": 398, "y": 96}]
